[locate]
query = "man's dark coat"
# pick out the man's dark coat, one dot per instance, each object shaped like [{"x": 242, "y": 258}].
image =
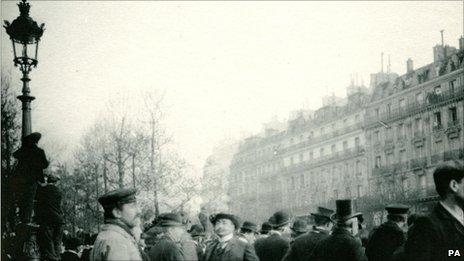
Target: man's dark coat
[
  {"x": 273, "y": 247},
  {"x": 235, "y": 250},
  {"x": 168, "y": 250},
  {"x": 340, "y": 246},
  {"x": 49, "y": 205},
  {"x": 430, "y": 238},
  {"x": 303, "y": 245},
  {"x": 69, "y": 256},
  {"x": 384, "y": 241}
]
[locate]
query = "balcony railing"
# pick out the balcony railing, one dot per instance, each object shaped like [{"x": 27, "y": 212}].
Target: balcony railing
[{"x": 414, "y": 108}]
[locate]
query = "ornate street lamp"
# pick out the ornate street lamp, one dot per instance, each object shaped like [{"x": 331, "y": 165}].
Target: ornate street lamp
[{"x": 25, "y": 35}]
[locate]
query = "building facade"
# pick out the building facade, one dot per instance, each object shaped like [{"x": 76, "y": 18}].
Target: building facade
[
  {"x": 379, "y": 145},
  {"x": 414, "y": 122},
  {"x": 215, "y": 177}
]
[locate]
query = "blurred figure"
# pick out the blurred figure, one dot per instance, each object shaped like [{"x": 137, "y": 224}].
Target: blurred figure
[
  {"x": 390, "y": 236},
  {"x": 227, "y": 247},
  {"x": 431, "y": 236},
  {"x": 248, "y": 232},
  {"x": 302, "y": 247},
  {"x": 29, "y": 170},
  {"x": 198, "y": 235},
  {"x": 299, "y": 227},
  {"x": 265, "y": 229},
  {"x": 342, "y": 244},
  {"x": 277, "y": 243},
  {"x": 71, "y": 252},
  {"x": 50, "y": 219},
  {"x": 116, "y": 241},
  {"x": 170, "y": 246}
]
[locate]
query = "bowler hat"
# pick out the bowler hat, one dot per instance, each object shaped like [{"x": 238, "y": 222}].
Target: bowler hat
[
  {"x": 345, "y": 210},
  {"x": 300, "y": 226},
  {"x": 196, "y": 230},
  {"x": 215, "y": 217},
  {"x": 323, "y": 212},
  {"x": 117, "y": 196},
  {"x": 280, "y": 218},
  {"x": 265, "y": 228},
  {"x": 250, "y": 226},
  {"x": 169, "y": 220},
  {"x": 397, "y": 209}
]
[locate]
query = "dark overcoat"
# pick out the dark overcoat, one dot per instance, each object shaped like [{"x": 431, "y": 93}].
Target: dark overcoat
[
  {"x": 31, "y": 163},
  {"x": 69, "y": 256},
  {"x": 168, "y": 250},
  {"x": 304, "y": 245},
  {"x": 384, "y": 241},
  {"x": 340, "y": 246},
  {"x": 49, "y": 210},
  {"x": 430, "y": 238},
  {"x": 235, "y": 250},
  {"x": 273, "y": 247}
]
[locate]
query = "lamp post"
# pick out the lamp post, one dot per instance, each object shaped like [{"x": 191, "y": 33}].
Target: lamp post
[{"x": 25, "y": 35}]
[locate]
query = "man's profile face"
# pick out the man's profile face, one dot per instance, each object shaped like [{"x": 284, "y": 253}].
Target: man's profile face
[
  {"x": 460, "y": 192},
  {"x": 224, "y": 227},
  {"x": 128, "y": 214}
]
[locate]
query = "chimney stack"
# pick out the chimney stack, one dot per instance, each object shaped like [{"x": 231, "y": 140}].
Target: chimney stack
[
  {"x": 461, "y": 43},
  {"x": 409, "y": 66}
]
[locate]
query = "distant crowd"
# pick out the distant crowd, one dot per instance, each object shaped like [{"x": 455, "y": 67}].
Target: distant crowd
[{"x": 332, "y": 235}]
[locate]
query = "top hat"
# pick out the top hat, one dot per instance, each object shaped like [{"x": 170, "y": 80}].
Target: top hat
[
  {"x": 265, "y": 228},
  {"x": 280, "y": 218},
  {"x": 118, "y": 196},
  {"x": 169, "y": 220},
  {"x": 397, "y": 209},
  {"x": 300, "y": 226},
  {"x": 323, "y": 212},
  {"x": 250, "y": 226},
  {"x": 215, "y": 217},
  {"x": 345, "y": 210}
]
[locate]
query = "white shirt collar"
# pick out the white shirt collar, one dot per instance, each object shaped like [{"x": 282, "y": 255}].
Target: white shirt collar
[
  {"x": 226, "y": 238},
  {"x": 457, "y": 213}
]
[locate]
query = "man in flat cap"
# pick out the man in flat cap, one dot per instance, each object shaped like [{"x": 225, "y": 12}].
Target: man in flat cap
[
  {"x": 29, "y": 170},
  {"x": 170, "y": 246},
  {"x": 431, "y": 237},
  {"x": 343, "y": 244},
  {"x": 115, "y": 240},
  {"x": 302, "y": 247},
  {"x": 50, "y": 218},
  {"x": 299, "y": 228},
  {"x": 227, "y": 247},
  {"x": 276, "y": 245},
  {"x": 390, "y": 236}
]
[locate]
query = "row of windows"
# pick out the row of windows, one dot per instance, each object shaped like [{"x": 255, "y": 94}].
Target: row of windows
[
  {"x": 417, "y": 126},
  {"x": 419, "y": 98},
  {"x": 309, "y": 155}
]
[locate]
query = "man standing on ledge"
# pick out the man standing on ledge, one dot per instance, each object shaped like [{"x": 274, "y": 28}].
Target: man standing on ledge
[
  {"x": 440, "y": 235},
  {"x": 115, "y": 241}
]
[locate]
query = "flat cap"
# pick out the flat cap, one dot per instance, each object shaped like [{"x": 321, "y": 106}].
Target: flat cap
[
  {"x": 118, "y": 196},
  {"x": 397, "y": 209}
]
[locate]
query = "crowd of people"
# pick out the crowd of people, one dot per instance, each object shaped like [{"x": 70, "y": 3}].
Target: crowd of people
[{"x": 332, "y": 235}]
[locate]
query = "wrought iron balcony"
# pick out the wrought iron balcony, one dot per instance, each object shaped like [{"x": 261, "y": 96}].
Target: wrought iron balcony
[{"x": 433, "y": 99}]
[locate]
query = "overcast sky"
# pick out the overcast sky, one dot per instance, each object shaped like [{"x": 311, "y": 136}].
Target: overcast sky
[{"x": 227, "y": 67}]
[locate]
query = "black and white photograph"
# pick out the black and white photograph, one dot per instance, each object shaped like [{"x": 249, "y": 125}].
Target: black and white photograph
[{"x": 232, "y": 130}]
